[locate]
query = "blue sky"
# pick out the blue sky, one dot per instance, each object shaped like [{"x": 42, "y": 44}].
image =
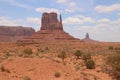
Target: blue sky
[{"x": 100, "y": 18}]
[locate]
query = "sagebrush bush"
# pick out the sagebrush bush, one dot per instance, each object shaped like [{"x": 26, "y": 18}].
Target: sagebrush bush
[
  {"x": 78, "y": 53},
  {"x": 90, "y": 64},
  {"x": 62, "y": 55},
  {"x": 86, "y": 56},
  {"x": 57, "y": 74},
  {"x": 110, "y": 48},
  {"x": 26, "y": 78},
  {"x": 27, "y": 51},
  {"x": 114, "y": 62}
]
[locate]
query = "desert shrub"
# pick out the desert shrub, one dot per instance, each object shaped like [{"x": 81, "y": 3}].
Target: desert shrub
[
  {"x": 26, "y": 78},
  {"x": 7, "y": 54},
  {"x": 90, "y": 64},
  {"x": 110, "y": 48},
  {"x": 114, "y": 62},
  {"x": 86, "y": 56},
  {"x": 62, "y": 55},
  {"x": 57, "y": 74},
  {"x": 46, "y": 48},
  {"x": 78, "y": 53},
  {"x": 27, "y": 51},
  {"x": 117, "y": 48}
]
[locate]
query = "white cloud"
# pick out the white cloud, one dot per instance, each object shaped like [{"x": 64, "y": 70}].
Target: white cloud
[
  {"x": 34, "y": 20},
  {"x": 79, "y": 19},
  {"x": 28, "y": 22},
  {"x": 106, "y": 9},
  {"x": 72, "y": 4},
  {"x": 16, "y": 3},
  {"x": 61, "y": 1},
  {"x": 42, "y": 10},
  {"x": 118, "y": 14},
  {"x": 104, "y": 20},
  {"x": 102, "y": 30},
  {"x": 7, "y": 21},
  {"x": 68, "y": 11}
]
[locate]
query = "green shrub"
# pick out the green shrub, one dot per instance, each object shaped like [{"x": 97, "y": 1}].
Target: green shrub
[
  {"x": 27, "y": 51},
  {"x": 7, "y": 55},
  {"x": 90, "y": 64},
  {"x": 114, "y": 62},
  {"x": 62, "y": 55},
  {"x": 110, "y": 48},
  {"x": 86, "y": 56},
  {"x": 78, "y": 53},
  {"x": 26, "y": 78},
  {"x": 57, "y": 74}
]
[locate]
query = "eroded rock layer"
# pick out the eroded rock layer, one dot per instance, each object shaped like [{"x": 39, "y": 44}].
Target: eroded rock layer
[
  {"x": 51, "y": 30},
  {"x": 14, "y": 33}
]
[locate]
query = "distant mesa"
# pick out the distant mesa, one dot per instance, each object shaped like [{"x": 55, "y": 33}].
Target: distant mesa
[
  {"x": 88, "y": 39},
  {"x": 14, "y": 33},
  {"x": 51, "y": 30}
]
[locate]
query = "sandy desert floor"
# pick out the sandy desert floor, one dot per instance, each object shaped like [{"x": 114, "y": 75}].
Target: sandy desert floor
[{"x": 43, "y": 63}]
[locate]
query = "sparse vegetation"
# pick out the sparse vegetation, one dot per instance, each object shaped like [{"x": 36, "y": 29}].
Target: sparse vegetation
[
  {"x": 62, "y": 55},
  {"x": 78, "y": 53},
  {"x": 47, "y": 49},
  {"x": 86, "y": 56},
  {"x": 57, "y": 74},
  {"x": 90, "y": 64},
  {"x": 6, "y": 55},
  {"x": 114, "y": 62},
  {"x": 27, "y": 52},
  {"x": 110, "y": 48},
  {"x": 26, "y": 78}
]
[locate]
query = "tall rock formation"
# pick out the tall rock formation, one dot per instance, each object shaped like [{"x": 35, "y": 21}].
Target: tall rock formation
[
  {"x": 51, "y": 30},
  {"x": 13, "y": 33},
  {"x": 87, "y": 36},
  {"x": 50, "y": 22},
  {"x": 88, "y": 39}
]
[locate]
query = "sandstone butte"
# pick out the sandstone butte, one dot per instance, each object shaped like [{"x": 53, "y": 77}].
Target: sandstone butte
[
  {"x": 14, "y": 33},
  {"x": 51, "y": 30},
  {"x": 88, "y": 39}
]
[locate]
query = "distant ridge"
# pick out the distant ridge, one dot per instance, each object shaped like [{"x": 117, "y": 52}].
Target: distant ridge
[{"x": 14, "y": 33}]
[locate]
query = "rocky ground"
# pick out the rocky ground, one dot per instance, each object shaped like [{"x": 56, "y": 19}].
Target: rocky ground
[{"x": 41, "y": 61}]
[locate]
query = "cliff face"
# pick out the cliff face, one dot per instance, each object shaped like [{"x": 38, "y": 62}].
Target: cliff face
[
  {"x": 51, "y": 30},
  {"x": 9, "y": 33},
  {"x": 16, "y": 31},
  {"x": 50, "y": 22}
]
